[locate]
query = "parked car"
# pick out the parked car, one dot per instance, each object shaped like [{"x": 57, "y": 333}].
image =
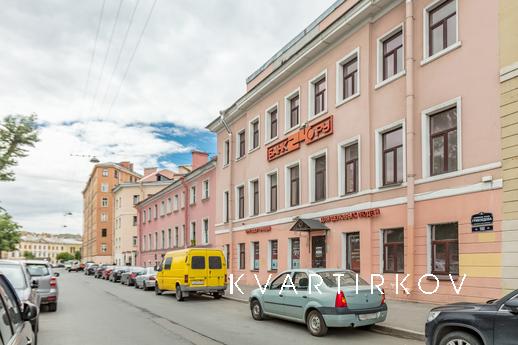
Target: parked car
[
  {"x": 128, "y": 278},
  {"x": 75, "y": 266},
  {"x": 91, "y": 269},
  {"x": 25, "y": 288},
  {"x": 333, "y": 307},
  {"x": 192, "y": 271},
  {"x": 87, "y": 266},
  {"x": 100, "y": 270},
  {"x": 16, "y": 315},
  {"x": 107, "y": 272},
  {"x": 47, "y": 282},
  {"x": 492, "y": 323},
  {"x": 68, "y": 264},
  {"x": 146, "y": 280},
  {"x": 60, "y": 265},
  {"x": 115, "y": 276}
]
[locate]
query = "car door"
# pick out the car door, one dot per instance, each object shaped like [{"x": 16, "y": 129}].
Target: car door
[
  {"x": 216, "y": 272},
  {"x": 198, "y": 267},
  {"x": 506, "y": 326},
  {"x": 21, "y": 331},
  {"x": 296, "y": 300},
  {"x": 273, "y": 298}
]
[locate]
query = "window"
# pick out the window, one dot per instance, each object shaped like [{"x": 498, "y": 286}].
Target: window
[
  {"x": 116, "y": 175},
  {"x": 169, "y": 205},
  {"x": 254, "y": 198},
  {"x": 391, "y": 54},
  {"x": 351, "y": 168},
  {"x": 155, "y": 211},
  {"x": 226, "y": 156},
  {"x": 182, "y": 201},
  {"x": 254, "y": 134},
  {"x": 205, "y": 189},
  {"x": 175, "y": 202},
  {"x": 176, "y": 237},
  {"x": 392, "y": 156},
  {"x": 104, "y": 248},
  {"x": 162, "y": 208},
  {"x": 352, "y": 260},
  {"x": 106, "y": 173},
  {"x": 136, "y": 199},
  {"x": 272, "y": 197},
  {"x": 319, "y": 172},
  {"x": 205, "y": 231},
  {"x": 198, "y": 262},
  {"x": 104, "y": 217},
  {"x": 134, "y": 241},
  {"x": 241, "y": 202},
  {"x": 441, "y": 26},
  {"x": 445, "y": 249},
  {"x": 393, "y": 251},
  {"x": 104, "y": 202},
  {"x": 192, "y": 234},
  {"x": 167, "y": 263},
  {"x": 156, "y": 240},
  {"x": 192, "y": 195},
  {"x": 294, "y": 185},
  {"x": 347, "y": 84},
  {"x": 104, "y": 232},
  {"x": 274, "y": 255},
  {"x": 227, "y": 255},
  {"x": 104, "y": 187},
  {"x": 293, "y": 110},
  {"x": 226, "y": 208},
  {"x": 279, "y": 281},
  {"x": 443, "y": 141},
  {"x": 318, "y": 95},
  {"x": 241, "y": 257},
  {"x": 241, "y": 144},
  {"x": 135, "y": 221},
  {"x": 271, "y": 124},
  {"x": 255, "y": 256},
  {"x": 215, "y": 263},
  {"x": 163, "y": 240},
  {"x": 149, "y": 214}
]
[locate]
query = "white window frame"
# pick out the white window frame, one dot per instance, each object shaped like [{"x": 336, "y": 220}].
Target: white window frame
[
  {"x": 182, "y": 200},
  {"x": 267, "y": 122},
  {"x": 311, "y": 95},
  {"x": 237, "y": 200},
  {"x": 425, "y": 136},
  {"x": 267, "y": 185},
  {"x": 241, "y": 131},
  {"x": 205, "y": 190},
  {"x": 251, "y": 134},
  {"x": 103, "y": 204},
  {"x": 192, "y": 232},
  {"x": 426, "y": 33},
  {"x": 104, "y": 217},
  {"x": 182, "y": 236},
  {"x": 341, "y": 164},
  {"x": 192, "y": 195},
  {"x": 226, "y": 205},
  {"x": 379, "y": 70},
  {"x": 162, "y": 208},
  {"x": 270, "y": 268},
  {"x": 311, "y": 171},
  {"x": 379, "y": 151},
  {"x": 251, "y": 254},
  {"x": 175, "y": 202},
  {"x": 203, "y": 231},
  {"x": 105, "y": 187},
  {"x": 251, "y": 196},
  {"x": 288, "y": 126},
  {"x": 169, "y": 205},
  {"x": 355, "y": 53},
  {"x": 226, "y": 154},
  {"x": 287, "y": 184},
  {"x": 106, "y": 173},
  {"x": 238, "y": 255}
]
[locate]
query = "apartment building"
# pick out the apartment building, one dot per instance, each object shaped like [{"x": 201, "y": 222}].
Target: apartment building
[
  {"x": 180, "y": 215},
  {"x": 98, "y": 209},
  {"x": 43, "y": 247},
  {"x": 368, "y": 143}
]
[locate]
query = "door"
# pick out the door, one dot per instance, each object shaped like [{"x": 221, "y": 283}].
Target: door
[
  {"x": 352, "y": 258},
  {"x": 165, "y": 283},
  {"x": 198, "y": 267},
  {"x": 273, "y": 298},
  {"x": 296, "y": 301},
  {"x": 217, "y": 271},
  {"x": 506, "y": 330},
  {"x": 318, "y": 251}
]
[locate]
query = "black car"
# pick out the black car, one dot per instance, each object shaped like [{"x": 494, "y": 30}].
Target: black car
[
  {"x": 115, "y": 275},
  {"x": 99, "y": 271},
  {"x": 90, "y": 270},
  {"x": 493, "y": 323}
]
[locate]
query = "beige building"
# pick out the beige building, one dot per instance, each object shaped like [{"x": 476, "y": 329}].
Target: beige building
[
  {"x": 509, "y": 121},
  {"x": 45, "y": 248},
  {"x": 98, "y": 209}
]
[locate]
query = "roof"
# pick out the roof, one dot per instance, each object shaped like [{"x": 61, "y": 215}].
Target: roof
[
  {"x": 50, "y": 240},
  {"x": 109, "y": 165},
  {"x": 308, "y": 224}
]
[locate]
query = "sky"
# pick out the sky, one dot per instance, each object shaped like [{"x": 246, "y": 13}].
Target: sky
[{"x": 144, "y": 90}]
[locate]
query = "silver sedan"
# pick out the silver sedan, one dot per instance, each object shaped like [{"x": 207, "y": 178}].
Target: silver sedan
[{"x": 146, "y": 280}]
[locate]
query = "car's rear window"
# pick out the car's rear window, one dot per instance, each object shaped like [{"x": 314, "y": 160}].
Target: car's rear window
[
  {"x": 198, "y": 262},
  {"x": 15, "y": 275},
  {"x": 215, "y": 262},
  {"x": 37, "y": 270},
  {"x": 348, "y": 279}
]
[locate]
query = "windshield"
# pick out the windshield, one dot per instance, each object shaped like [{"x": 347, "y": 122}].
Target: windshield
[
  {"x": 347, "y": 279},
  {"x": 15, "y": 275},
  {"x": 36, "y": 270}
]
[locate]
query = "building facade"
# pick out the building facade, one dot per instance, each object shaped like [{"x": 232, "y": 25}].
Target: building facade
[
  {"x": 43, "y": 247},
  {"x": 180, "y": 215},
  {"x": 368, "y": 143},
  {"x": 127, "y": 195},
  {"x": 98, "y": 209}
]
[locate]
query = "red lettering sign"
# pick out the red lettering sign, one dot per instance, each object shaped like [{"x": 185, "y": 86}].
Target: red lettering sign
[
  {"x": 260, "y": 229},
  {"x": 374, "y": 212}
]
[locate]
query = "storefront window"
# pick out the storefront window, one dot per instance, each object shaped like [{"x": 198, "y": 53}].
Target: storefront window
[
  {"x": 295, "y": 252},
  {"x": 353, "y": 252},
  {"x": 255, "y": 248},
  {"x": 393, "y": 248},
  {"x": 445, "y": 249},
  {"x": 273, "y": 255}
]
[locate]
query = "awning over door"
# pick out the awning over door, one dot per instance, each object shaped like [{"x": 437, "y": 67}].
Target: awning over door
[{"x": 308, "y": 225}]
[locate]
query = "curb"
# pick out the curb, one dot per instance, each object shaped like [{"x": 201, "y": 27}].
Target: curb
[{"x": 240, "y": 300}]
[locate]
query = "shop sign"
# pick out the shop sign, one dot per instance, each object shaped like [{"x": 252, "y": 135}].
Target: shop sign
[
  {"x": 482, "y": 222},
  {"x": 260, "y": 229},
  {"x": 374, "y": 212},
  {"x": 307, "y": 135}
]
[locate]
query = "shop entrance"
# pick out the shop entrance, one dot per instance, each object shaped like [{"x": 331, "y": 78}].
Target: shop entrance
[{"x": 318, "y": 252}]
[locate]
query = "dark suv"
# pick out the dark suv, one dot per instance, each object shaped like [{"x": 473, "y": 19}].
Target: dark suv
[{"x": 493, "y": 323}]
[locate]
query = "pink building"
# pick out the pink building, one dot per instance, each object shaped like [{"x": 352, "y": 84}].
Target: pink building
[
  {"x": 179, "y": 216},
  {"x": 369, "y": 142}
]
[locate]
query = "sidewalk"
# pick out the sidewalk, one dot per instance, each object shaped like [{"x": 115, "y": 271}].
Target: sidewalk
[{"x": 405, "y": 319}]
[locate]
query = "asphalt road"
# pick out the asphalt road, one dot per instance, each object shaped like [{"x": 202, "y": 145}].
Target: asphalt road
[{"x": 97, "y": 312}]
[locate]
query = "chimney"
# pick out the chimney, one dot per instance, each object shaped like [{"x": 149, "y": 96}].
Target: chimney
[
  {"x": 199, "y": 158},
  {"x": 126, "y": 164},
  {"x": 148, "y": 171}
]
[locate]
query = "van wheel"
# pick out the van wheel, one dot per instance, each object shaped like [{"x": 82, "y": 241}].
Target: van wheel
[
  {"x": 179, "y": 295},
  {"x": 157, "y": 290},
  {"x": 257, "y": 310},
  {"x": 459, "y": 338},
  {"x": 316, "y": 324},
  {"x": 216, "y": 295}
]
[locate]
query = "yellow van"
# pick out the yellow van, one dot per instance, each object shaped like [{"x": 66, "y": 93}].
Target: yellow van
[{"x": 192, "y": 271}]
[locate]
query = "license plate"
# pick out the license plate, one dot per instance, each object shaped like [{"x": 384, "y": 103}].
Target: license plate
[
  {"x": 197, "y": 282},
  {"x": 364, "y": 317}
]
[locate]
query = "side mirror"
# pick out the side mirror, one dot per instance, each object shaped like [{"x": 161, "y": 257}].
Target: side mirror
[
  {"x": 512, "y": 305},
  {"x": 159, "y": 268},
  {"x": 56, "y": 274},
  {"x": 29, "y": 311},
  {"x": 266, "y": 286},
  {"x": 35, "y": 284}
]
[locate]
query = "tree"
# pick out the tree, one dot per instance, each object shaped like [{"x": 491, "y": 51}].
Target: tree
[
  {"x": 64, "y": 256},
  {"x": 9, "y": 233},
  {"x": 77, "y": 255},
  {"x": 28, "y": 255},
  {"x": 17, "y": 134}
]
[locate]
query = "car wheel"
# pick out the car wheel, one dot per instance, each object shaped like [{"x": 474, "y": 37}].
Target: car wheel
[
  {"x": 459, "y": 338},
  {"x": 157, "y": 290},
  {"x": 179, "y": 294},
  {"x": 257, "y": 310},
  {"x": 53, "y": 307},
  {"x": 216, "y": 295},
  {"x": 316, "y": 324}
]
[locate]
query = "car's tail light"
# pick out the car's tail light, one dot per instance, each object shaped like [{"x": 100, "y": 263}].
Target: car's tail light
[
  {"x": 53, "y": 282},
  {"x": 152, "y": 278},
  {"x": 225, "y": 277},
  {"x": 340, "y": 301},
  {"x": 186, "y": 278},
  {"x": 382, "y": 296}
]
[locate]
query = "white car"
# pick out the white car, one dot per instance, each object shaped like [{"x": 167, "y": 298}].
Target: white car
[{"x": 146, "y": 280}]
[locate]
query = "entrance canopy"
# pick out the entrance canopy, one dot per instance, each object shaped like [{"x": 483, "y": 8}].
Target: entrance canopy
[{"x": 308, "y": 225}]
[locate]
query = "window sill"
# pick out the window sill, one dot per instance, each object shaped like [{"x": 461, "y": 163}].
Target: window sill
[
  {"x": 442, "y": 277},
  {"x": 254, "y": 270},
  {"x": 311, "y": 117},
  {"x": 390, "y": 186},
  {"x": 254, "y": 149},
  {"x": 271, "y": 140},
  {"x": 443, "y": 52},
  {"x": 272, "y": 271},
  {"x": 226, "y": 165},
  {"x": 382, "y": 83},
  {"x": 292, "y": 129},
  {"x": 240, "y": 158},
  {"x": 347, "y": 100}
]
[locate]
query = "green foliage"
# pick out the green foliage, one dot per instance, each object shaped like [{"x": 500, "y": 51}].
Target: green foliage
[
  {"x": 17, "y": 133},
  {"x": 28, "y": 255},
  {"x": 9, "y": 233},
  {"x": 64, "y": 256},
  {"x": 77, "y": 255}
]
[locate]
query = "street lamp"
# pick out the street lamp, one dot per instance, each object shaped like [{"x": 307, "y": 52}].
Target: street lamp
[{"x": 94, "y": 160}]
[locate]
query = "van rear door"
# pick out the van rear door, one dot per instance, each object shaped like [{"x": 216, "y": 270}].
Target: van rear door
[
  {"x": 198, "y": 267},
  {"x": 217, "y": 269}
]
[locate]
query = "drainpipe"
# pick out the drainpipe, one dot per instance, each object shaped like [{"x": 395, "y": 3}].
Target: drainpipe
[
  {"x": 186, "y": 213},
  {"x": 410, "y": 139},
  {"x": 230, "y": 209}
]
